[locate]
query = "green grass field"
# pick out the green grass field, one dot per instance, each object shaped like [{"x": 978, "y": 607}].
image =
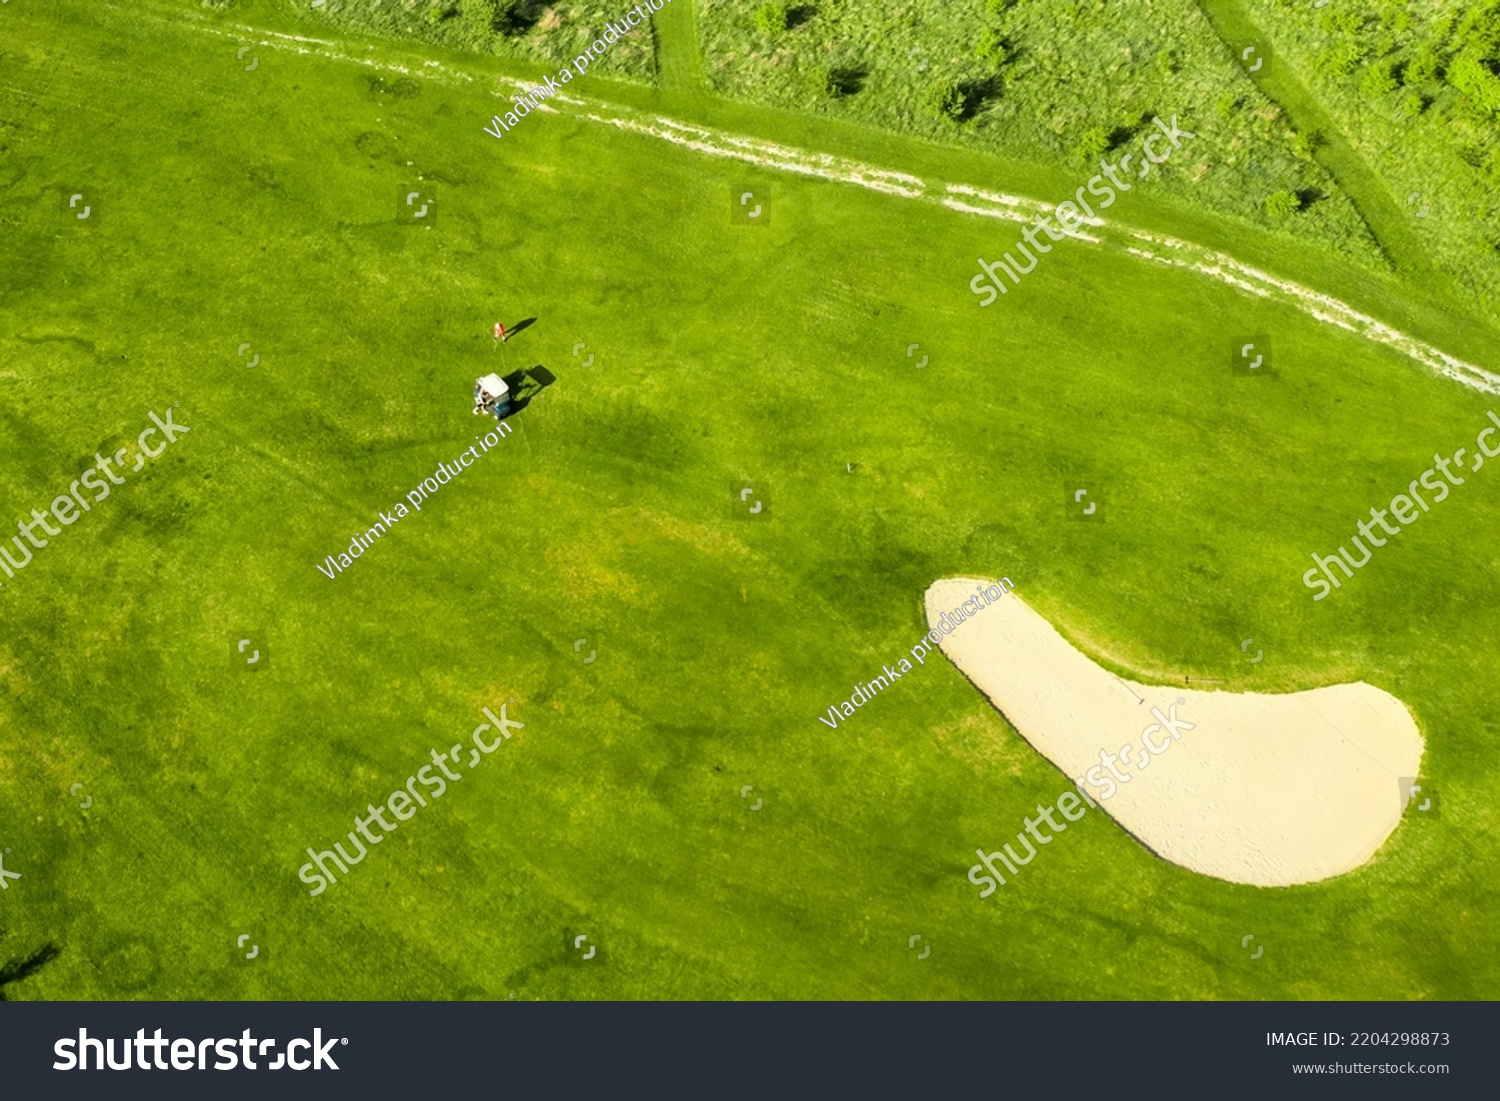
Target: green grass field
[{"x": 260, "y": 207}]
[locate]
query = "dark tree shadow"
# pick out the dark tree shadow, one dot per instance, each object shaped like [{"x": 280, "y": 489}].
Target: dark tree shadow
[
  {"x": 516, "y": 17},
  {"x": 977, "y": 95},
  {"x": 1309, "y": 195},
  {"x": 526, "y": 384},
  {"x": 17, "y": 970},
  {"x": 1013, "y": 53},
  {"x": 1126, "y": 132},
  {"x": 846, "y": 80},
  {"x": 799, "y": 15}
]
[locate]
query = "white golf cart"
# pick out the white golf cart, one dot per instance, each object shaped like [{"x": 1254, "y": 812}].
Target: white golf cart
[{"x": 491, "y": 396}]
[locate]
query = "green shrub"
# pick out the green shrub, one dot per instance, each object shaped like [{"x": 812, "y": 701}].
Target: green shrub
[
  {"x": 1093, "y": 144},
  {"x": 1303, "y": 144},
  {"x": 1473, "y": 78},
  {"x": 1341, "y": 22},
  {"x": 1480, "y": 30},
  {"x": 1379, "y": 79},
  {"x": 991, "y": 47},
  {"x": 1397, "y": 23},
  {"x": 1424, "y": 68},
  {"x": 947, "y": 99},
  {"x": 484, "y": 18},
  {"x": 1339, "y": 59},
  {"x": 772, "y": 18},
  {"x": 1283, "y": 204},
  {"x": 998, "y": 7},
  {"x": 479, "y": 17}
]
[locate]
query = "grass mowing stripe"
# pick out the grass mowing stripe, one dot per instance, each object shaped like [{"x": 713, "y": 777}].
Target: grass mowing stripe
[{"x": 678, "y": 61}]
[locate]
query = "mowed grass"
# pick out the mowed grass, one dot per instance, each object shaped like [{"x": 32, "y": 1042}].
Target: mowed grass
[{"x": 260, "y": 207}]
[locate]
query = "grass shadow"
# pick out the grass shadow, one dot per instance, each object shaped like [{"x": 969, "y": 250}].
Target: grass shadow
[
  {"x": 978, "y": 94},
  {"x": 402, "y": 88},
  {"x": 17, "y": 970},
  {"x": 845, "y": 80}
]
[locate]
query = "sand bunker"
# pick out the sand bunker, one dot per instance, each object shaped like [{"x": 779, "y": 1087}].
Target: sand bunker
[{"x": 1268, "y": 790}]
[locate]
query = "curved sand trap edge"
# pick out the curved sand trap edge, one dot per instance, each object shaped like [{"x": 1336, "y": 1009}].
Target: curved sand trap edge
[{"x": 1270, "y": 790}]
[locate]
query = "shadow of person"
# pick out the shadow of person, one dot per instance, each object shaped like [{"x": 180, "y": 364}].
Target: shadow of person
[{"x": 519, "y": 325}]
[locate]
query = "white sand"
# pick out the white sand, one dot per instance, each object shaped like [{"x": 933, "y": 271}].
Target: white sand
[{"x": 1267, "y": 790}]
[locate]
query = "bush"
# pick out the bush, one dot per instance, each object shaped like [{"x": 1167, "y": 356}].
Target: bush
[
  {"x": 947, "y": 99},
  {"x": 1425, "y": 67},
  {"x": 478, "y": 17},
  {"x": 991, "y": 47},
  {"x": 1379, "y": 79},
  {"x": 484, "y": 18},
  {"x": 1283, "y": 204},
  {"x": 1339, "y": 59},
  {"x": 1473, "y": 78},
  {"x": 1304, "y": 144},
  {"x": 772, "y": 18},
  {"x": 1093, "y": 144},
  {"x": 1342, "y": 23},
  {"x": 998, "y": 7}
]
